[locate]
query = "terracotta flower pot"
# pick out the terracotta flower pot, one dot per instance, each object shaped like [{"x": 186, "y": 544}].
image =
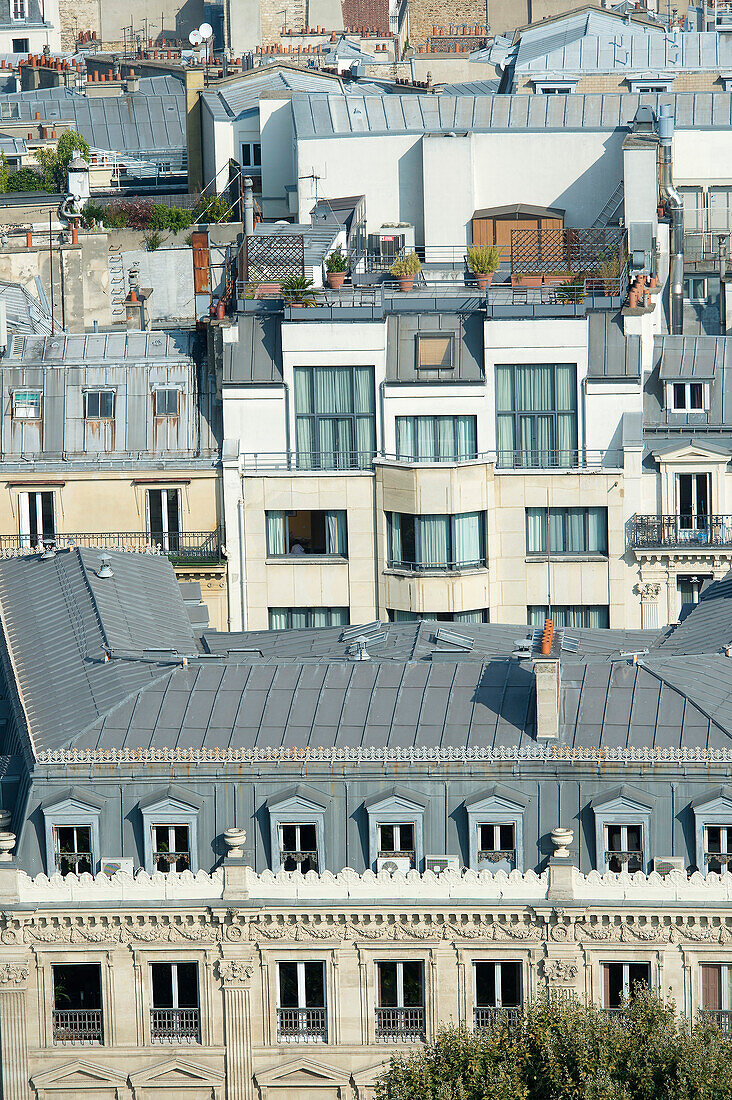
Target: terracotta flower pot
[
  {"x": 336, "y": 279},
  {"x": 482, "y": 279},
  {"x": 406, "y": 284}
]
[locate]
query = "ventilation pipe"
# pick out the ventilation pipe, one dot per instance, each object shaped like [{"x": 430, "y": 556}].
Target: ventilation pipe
[
  {"x": 676, "y": 210},
  {"x": 248, "y": 207}
]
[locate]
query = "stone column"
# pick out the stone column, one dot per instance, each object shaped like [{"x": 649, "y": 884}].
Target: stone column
[
  {"x": 235, "y": 975},
  {"x": 14, "y": 1082}
]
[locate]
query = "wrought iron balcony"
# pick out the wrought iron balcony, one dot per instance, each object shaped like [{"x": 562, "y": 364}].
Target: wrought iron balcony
[
  {"x": 488, "y": 1017},
  {"x": 396, "y": 1025},
  {"x": 183, "y": 547},
  {"x": 73, "y": 863},
  {"x": 435, "y": 567},
  {"x": 680, "y": 532},
  {"x": 722, "y": 1018},
  {"x": 77, "y": 1025},
  {"x": 634, "y": 860},
  {"x": 172, "y": 861},
  {"x": 303, "y": 1025},
  {"x": 174, "y": 1025},
  {"x": 497, "y": 855},
  {"x": 300, "y": 859}
]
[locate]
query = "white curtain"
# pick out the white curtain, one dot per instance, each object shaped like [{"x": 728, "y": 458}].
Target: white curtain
[
  {"x": 425, "y": 442},
  {"x": 445, "y": 428},
  {"x": 504, "y": 395},
  {"x": 405, "y": 437},
  {"x": 339, "y": 616},
  {"x": 536, "y": 530},
  {"x": 395, "y": 527},
  {"x": 335, "y": 533},
  {"x": 275, "y": 533},
  {"x": 468, "y": 617},
  {"x": 597, "y": 530},
  {"x": 300, "y": 617},
  {"x": 465, "y": 433},
  {"x": 432, "y": 540},
  {"x": 575, "y": 541},
  {"x": 468, "y": 549},
  {"x": 534, "y": 388},
  {"x": 278, "y": 618},
  {"x": 319, "y": 616}
]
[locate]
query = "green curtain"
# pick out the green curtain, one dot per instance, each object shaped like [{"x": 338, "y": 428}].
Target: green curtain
[
  {"x": 597, "y": 530},
  {"x": 504, "y": 389}
]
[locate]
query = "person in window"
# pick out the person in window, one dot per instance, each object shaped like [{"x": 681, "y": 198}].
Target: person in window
[{"x": 297, "y": 548}]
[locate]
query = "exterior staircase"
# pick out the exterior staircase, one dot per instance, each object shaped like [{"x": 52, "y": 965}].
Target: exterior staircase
[
  {"x": 117, "y": 291},
  {"x": 610, "y": 209}
]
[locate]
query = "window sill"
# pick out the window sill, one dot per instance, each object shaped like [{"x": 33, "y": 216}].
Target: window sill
[
  {"x": 539, "y": 559},
  {"x": 312, "y": 559},
  {"x": 467, "y": 571}
]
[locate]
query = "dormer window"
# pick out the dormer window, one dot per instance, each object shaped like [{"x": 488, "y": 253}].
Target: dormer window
[
  {"x": 688, "y": 396},
  {"x": 435, "y": 351},
  {"x": 19, "y": 10},
  {"x": 171, "y": 848},
  {"x": 73, "y": 849}
]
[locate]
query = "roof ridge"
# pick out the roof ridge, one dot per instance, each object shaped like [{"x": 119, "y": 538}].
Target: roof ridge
[
  {"x": 135, "y": 694},
  {"x": 97, "y": 611}
]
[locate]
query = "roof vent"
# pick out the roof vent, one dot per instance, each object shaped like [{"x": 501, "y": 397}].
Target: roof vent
[
  {"x": 358, "y": 651},
  {"x": 105, "y": 566},
  {"x": 451, "y": 637},
  {"x": 49, "y": 552},
  {"x": 523, "y": 648}
]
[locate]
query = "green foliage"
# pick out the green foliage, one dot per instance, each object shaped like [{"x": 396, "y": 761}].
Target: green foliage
[
  {"x": 25, "y": 179},
  {"x": 173, "y": 218},
  {"x": 337, "y": 261},
  {"x": 4, "y": 173},
  {"x": 55, "y": 162},
  {"x": 484, "y": 259},
  {"x": 212, "y": 209},
  {"x": 564, "y": 1050},
  {"x": 572, "y": 289},
  {"x": 298, "y": 289},
  {"x": 153, "y": 240},
  {"x": 406, "y": 267}
]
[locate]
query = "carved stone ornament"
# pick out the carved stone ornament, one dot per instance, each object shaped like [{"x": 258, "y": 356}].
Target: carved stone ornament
[
  {"x": 559, "y": 971},
  {"x": 648, "y": 590},
  {"x": 235, "y": 972},
  {"x": 13, "y": 974}
]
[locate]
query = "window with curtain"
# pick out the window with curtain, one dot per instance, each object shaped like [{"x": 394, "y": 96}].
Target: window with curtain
[
  {"x": 479, "y": 616},
  {"x": 436, "y": 438},
  {"x": 434, "y": 351},
  {"x": 300, "y": 618},
  {"x": 571, "y": 615},
  {"x": 566, "y": 530},
  {"x": 299, "y": 533},
  {"x": 536, "y": 415},
  {"x": 436, "y": 542},
  {"x": 335, "y": 417}
]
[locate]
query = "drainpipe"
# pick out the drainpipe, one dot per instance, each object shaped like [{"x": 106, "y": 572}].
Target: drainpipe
[
  {"x": 676, "y": 208},
  {"x": 248, "y": 207}
]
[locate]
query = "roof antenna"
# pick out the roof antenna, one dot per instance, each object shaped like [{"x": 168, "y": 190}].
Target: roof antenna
[{"x": 105, "y": 568}]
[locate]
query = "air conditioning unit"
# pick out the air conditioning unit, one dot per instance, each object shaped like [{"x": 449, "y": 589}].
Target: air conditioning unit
[
  {"x": 664, "y": 864},
  {"x": 393, "y": 863},
  {"x": 438, "y": 864},
  {"x": 112, "y": 866}
]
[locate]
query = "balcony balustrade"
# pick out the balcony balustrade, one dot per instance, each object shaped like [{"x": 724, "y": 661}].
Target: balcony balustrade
[
  {"x": 722, "y": 1018},
  {"x": 680, "y": 532},
  {"x": 395, "y": 1025},
  {"x": 181, "y": 547},
  {"x": 174, "y": 1025},
  {"x": 490, "y": 1017},
  {"x": 304, "y": 1025},
  {"x": 77, "y": 1025},
  {"x": 539, "y": 461}
]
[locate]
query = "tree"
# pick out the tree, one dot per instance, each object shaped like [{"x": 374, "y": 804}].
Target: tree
[
  {"x": 563, "y": 1050},
  {"x": 25, "y": 179},
  {"x": 55, "y": 162}
]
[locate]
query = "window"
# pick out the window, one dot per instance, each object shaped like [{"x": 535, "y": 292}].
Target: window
[
  {"x": 689, "y": 588},
  {"x": 335, "y": 419},
  {"x": 717, "y": 848},
  {"x": 19, "y": 9},
  {"x": 303, "y": 618},
  {"x": 716, "y": 994},
  {"x": 536, "y": 407},
  {"x": 21, "y": 45},
  {"x": 298, "y": 533},
  {"x": 396, "y": 841},
  {"x": 174, "y": 1015},
  {"x": 73, "y": 849},
  {"x": 27, "y": 405},
  {"x": 36, "y": 518},
  {"x": 301, "y": 1010},
  {"x": 251, "y": 155},
  {"x": 77, "y": 1003},
  {"x": 695, "y": 289},
  {"x": 570, "y": 616},
  {"x": 299, "y": 848},
  {"x": 688, "y": 396},
  {"x": 546, "y": 89},
  {"x": 496, "y": 845},
  {"x": 166, "y": 401},
  {"x": 171, "y": 848},
  {"x": 497, "y": 987},
  {"x": 433, "y": 542},
  {"x": 694, "y": 497},
  {"x": 642, "y": 87},
  {"x": 163, "y": 518},
  {"x": 435, "y": 351},
  {"x": 624, "y": 848},
  {"x": 400, "y": 1011},
  {"x": 397, "y": 616},
  {"x": 436, "y": 438},
  {"x": 99, "y": 404},
  {"x": 566, "y": 530},
  {"x": 620, "y": 981}
]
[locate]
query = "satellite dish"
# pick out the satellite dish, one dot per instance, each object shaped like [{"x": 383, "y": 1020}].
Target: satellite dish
[
  {"x": 205, "y": 31},
  {"x": 195, "y": 38}
]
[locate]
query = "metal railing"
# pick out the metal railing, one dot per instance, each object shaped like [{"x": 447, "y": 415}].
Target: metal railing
[
  {"x": 73, "y": 863},
  {"x": 680, "y": 531},
  {"x": 625, "y": 857},
  {"x": 574, "y": 296},
  {"x": 184, "y": 546},
  {"x": 404, "y": 854},
  {"x": 77, "y": 1025},
  {"x": 299, "y": 858},
  {"x": 436, "y": 567},
  {"x": 486, "y": 1017},
  {"x": 171, "y": 858},
  {"x": 497, "y": 855},
  {"x": 536, "y": 460},
  {"x": 399, "y": 1024},
  {"x": 174, "y": 1025},
  {"x": 304, "y": 1025},
  {"x": 704, "y": 247},
  {"x": 722, "y": 858},
  {"x": 721, "y": 1017}
]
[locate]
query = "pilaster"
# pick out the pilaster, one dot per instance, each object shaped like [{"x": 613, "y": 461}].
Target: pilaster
[
  {"x": 235, "y": 975},
  {"x": 14, "y": 1073}
]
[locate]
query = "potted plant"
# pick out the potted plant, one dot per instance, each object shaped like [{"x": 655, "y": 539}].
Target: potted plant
[
  {"x": 404, "y": 269},
  {"x": 336, "y": 266},
  {"x": 297, "y": 290},
  {"x": 484, "y": 260}
]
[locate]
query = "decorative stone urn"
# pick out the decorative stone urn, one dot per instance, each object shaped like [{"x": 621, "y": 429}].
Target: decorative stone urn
[
  {"x": 561, "y": 839},
  {"x": 234, "y": 839},
  {"x": 7, "y": 843}
]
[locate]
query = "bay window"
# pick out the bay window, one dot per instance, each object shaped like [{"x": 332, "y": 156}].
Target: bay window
[
  {"x": 566, "y": 530},
  {"x": 536, "y": 411},
  {"x": 436, "y": 438},
  {"x": 397, "y": 616},
  {"x": 436, "y": 542},
  {"x": 335, "y": 417}
]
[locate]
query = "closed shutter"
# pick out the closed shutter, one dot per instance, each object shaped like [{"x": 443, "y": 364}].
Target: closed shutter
[
  {"x": 711, "y": 987},
  {"x": 201, "y": 272},
  {"x": 483, "y": 231}
]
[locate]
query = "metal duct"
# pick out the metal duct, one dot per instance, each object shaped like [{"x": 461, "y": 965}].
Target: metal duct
[{"x": 675, "y": 206}]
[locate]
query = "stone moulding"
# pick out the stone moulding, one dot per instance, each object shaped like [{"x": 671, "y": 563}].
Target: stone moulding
[{"x": 544, "y": 753}]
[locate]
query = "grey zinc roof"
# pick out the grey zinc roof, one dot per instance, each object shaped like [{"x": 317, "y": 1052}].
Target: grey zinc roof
[
  {"x": 24, "y": 313},
  {"x": 612, "y": 354},
  {"x": 257, "y": 355},
  {"x": 243, "y": 94},
  {"x": 690, "y": 358},
  {"x": 707, "y": 358},
  {"x": 401, "y": 346},
  {"x": 64, "y": 349},
  {"x": 329, "y": 116}
]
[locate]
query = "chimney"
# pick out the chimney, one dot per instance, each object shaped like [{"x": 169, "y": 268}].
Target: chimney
[{"x": 548, "y": 697}]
